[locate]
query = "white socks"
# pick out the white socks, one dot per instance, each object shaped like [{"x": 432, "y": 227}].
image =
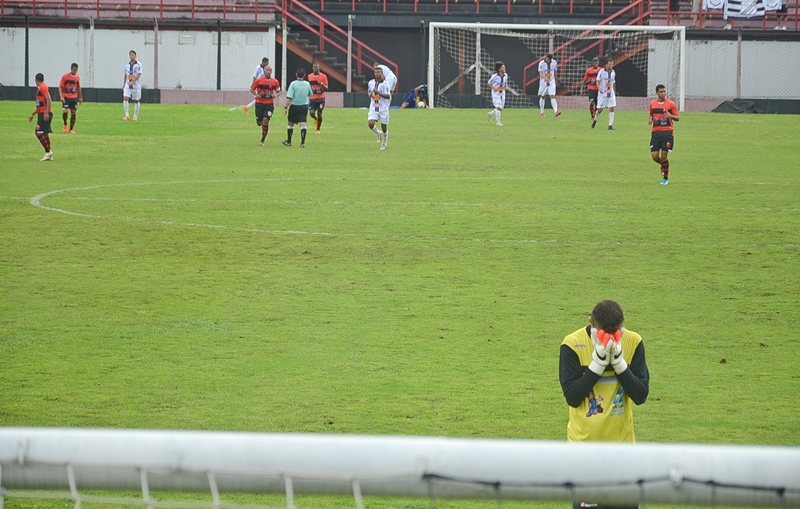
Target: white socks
[
  {"x": 610, "y": 118},
  {"x": 497, "y": 115},
  {"x": 376, "y": 130},
  {"x": 125, "y": 105},
  {"x": 541, "y": 105},
  {"x": 555, "y": 104},
  {"x": 135, "y": 110}
]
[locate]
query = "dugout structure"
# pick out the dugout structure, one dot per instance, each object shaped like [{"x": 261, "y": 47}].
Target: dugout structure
[{"x": 461, "y": 60}]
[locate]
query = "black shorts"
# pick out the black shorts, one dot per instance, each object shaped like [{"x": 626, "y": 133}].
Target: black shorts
[
  {"x": 42, "y": 125},
  {"x": 661, "y": 140},
  {"x": 70, "y": 104},
  {"x": 316, "y": 105},
  {"x": 593, "y": 96},
  {"x": 264, "y": 110},
  {"x": 298, "y": 114}
]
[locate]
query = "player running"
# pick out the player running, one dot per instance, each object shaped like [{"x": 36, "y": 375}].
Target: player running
[
  {"x": 380, "y": 96},
  {"x": 590, "y": 83},
  {"x": 71, "y": 95},
  {"x": 663, "y": 112},
  {"x": 258, "y": 73},
  {"x": 498, "y": 83},
  {"x": 265, "y": 89},
  {"x": 319, "y": 85}
]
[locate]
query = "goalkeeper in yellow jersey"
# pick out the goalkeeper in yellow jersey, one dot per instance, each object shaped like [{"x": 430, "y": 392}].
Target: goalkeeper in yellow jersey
[{"x": 603, "y": 373}]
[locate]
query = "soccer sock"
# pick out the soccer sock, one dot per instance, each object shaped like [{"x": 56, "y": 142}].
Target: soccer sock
[
  {"x": 497, "y": 114},
  {"x": 592, "y": 109},
  {"x": 289, "y": 132},
  {"x": 555, "y": 104},
  {"x": 264, "y": 131},
  {"x": 44, "y": 139},
  {"x": 125, "y": 105},
  {"x": 136, "y": 110},
  {"x": 319, "y": 120},
  {"x": 541, "y": 104},
  {"x": 665, "y": 169},
  {"x": 376, "y": 130},
  {"x": 385, "y": 138},
  {"x": 64, "y": 116},
  {"x": 251, "y": 104},
  {"x": 303, "y": 135},
  {"x": 72, "y": 119},
  {"x": 610, "y": 118}
]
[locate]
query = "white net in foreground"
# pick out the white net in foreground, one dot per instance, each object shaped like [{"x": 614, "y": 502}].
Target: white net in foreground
[
  {"x": 77, "y": 460},
  {"x": 462, "y": 57}
]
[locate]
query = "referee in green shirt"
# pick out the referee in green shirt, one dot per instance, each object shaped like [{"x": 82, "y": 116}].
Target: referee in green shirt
[{"x": 297, "y": 97}]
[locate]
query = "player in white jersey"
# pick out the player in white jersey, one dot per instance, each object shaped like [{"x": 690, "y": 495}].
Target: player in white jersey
[
  {"x": 547, "y": 83},
  {"x": 131, "y": 86},
  {"x": 498, "y": 83},
  {"x": 259, "y": 72},
  {"x": 380, "y": 96},
  {"x": 388, "y": 76},
  {"x": 606, "y": 93}
]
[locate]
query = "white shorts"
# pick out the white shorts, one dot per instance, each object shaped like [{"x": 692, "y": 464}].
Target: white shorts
[
  {"x": 547, "y": 89},
  {"x": 134, "y": 94},
  {"x": 499, "y": 102},
  {"x": 382, "y": 117},
  {"x": 603, "y": 101}
]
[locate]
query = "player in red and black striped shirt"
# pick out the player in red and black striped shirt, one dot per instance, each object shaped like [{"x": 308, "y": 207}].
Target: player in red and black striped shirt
[
  {"x": 663, "y": 112},
  {"x": 265, "y": 89},
  {"x": 71, "y": 95},
  {"x": 44, "y": 112},
  {"x": 590, "y": 82}
]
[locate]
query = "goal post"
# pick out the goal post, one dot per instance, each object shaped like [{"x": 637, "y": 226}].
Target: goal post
[
  {"x": 77, "y": 461},
  {"x": 461, "y": 59}
]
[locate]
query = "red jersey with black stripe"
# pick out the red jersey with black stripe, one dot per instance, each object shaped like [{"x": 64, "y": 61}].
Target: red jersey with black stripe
[
  {"x": 70, "y": 84},
  {"x": 42, "y": 93},
  {"x": 590, "y": 77},
  {"x": 662, "y": 124},
  {"x": 266, "y": 90}
]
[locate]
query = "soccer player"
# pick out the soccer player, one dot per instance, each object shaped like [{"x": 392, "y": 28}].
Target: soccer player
[
  {"x": 297, "y": 96},
  {"x": 259, "y": 72},
  {"x": 44, "y": 113},
  {"x": 498, "y": 83},
  {"x": 663, "y": 112},
  {"x": 388, "y": 76},
  {"x": 132, "y": 87},
  {"x": 415, "y": 95},
  {"x": 380, "y": 95},
  {"x": 590, "y": 82},
  {"x": 607, "y": 91},
  {"x": 265, "y": 89},
  {"x": 547, "y": 83},
  {"x": 319, "y": 84},
  {"x": 71, "y": 95},
  {"x": 603, "y": 372}
]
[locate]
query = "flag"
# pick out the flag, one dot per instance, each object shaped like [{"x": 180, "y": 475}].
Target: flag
[
  {"x": 744, "y": 9},
  {"x": 772, "y": 5},
  {"x": 713, "y": 5}
]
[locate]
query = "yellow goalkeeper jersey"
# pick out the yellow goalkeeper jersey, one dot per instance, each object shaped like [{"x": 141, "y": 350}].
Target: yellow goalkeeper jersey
[{"x": 607, "y": 413}]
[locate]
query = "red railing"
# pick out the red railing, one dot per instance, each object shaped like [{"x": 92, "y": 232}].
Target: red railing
[
  {"x": 330, "y": 37},
  {"x": 245, "y": 10},
  {"x": 634, "y": 14}
]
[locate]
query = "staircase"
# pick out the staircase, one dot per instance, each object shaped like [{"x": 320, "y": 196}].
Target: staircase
[{"x": 325, "y": 43}]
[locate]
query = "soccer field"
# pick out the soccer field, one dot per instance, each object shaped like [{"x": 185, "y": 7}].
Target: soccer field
[{"x": 171, "y": 273}]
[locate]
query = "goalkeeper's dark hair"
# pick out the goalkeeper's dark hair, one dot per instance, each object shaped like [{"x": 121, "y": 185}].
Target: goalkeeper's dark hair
[
  {"x": 608, "y": 315},
  {"x": 659, "y": 87}
]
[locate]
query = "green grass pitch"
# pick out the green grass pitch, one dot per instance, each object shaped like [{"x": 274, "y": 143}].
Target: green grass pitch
[{"x": 171, "y": 273}]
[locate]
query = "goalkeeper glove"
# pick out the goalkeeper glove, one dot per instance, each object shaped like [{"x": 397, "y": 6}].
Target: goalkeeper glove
[
  {"x": 600, "y": 358},
  {"x": 617, "y": 357}
]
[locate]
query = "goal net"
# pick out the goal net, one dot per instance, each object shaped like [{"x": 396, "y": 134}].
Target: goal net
[
  {"x": 73, "y": 464},
  {"x": 462, "y": 57}
]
